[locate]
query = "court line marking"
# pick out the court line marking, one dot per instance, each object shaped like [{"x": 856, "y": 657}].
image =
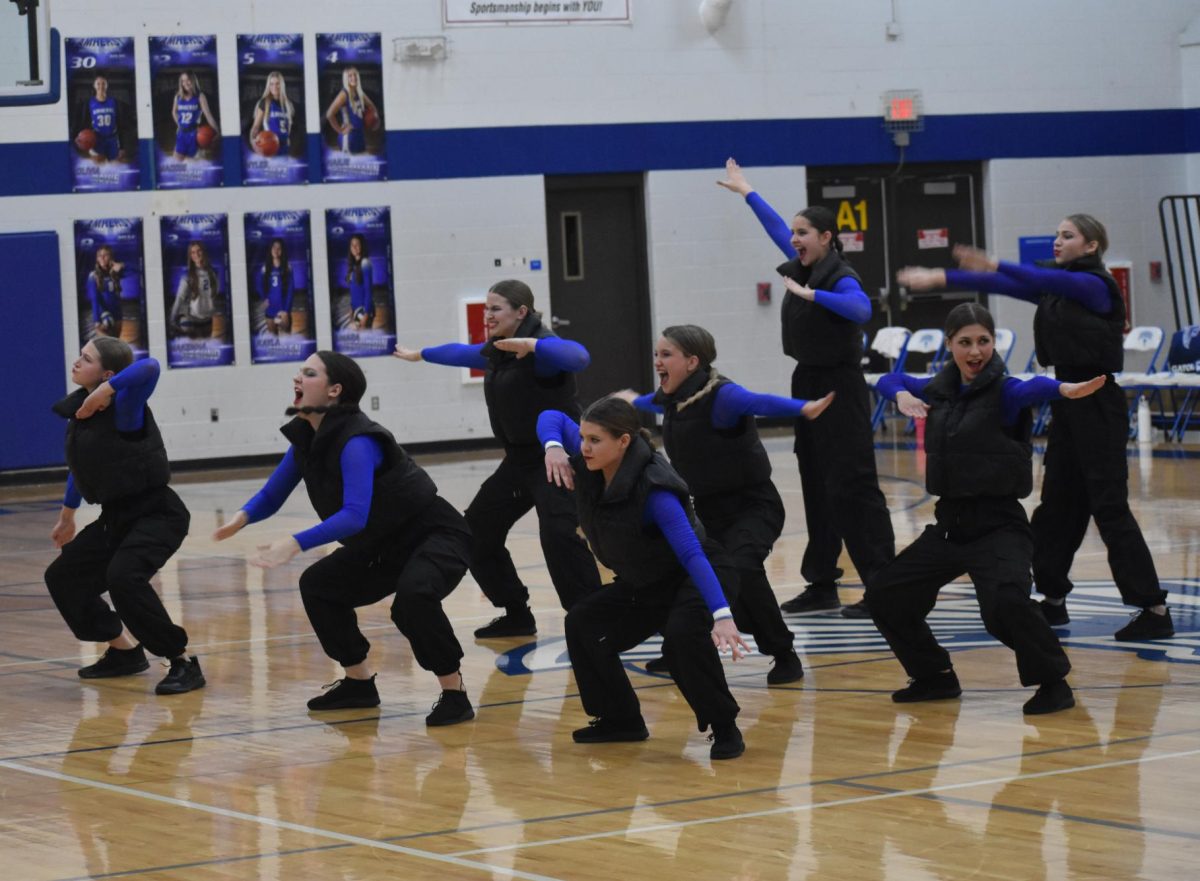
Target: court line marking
[
  {"x": 812, "y": 784},
  {"x": 842, "y": 802},
  {"x": 317, "y": 832},
  {"x": 1037, "y": 812}
]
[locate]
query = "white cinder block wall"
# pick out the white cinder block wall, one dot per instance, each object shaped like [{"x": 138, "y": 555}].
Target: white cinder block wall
[{"x": 773, "y": 59}]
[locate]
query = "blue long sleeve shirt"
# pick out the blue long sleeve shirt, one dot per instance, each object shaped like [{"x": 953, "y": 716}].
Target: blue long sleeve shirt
[
  {"x": 1014, "y": 397},
  {"x": 134, "y": 385},
  {"x": 663, "y": 510},
  {"x": 734, "y": 401},
  {"x": 847, "y": 298},
  {"x": 551, "y": 355},
  {"x": 360, "y": 458},
  {"x": 1031, "y": 283}
]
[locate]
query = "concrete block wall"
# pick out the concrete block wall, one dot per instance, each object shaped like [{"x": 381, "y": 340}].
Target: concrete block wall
[{"x": 774, "y": 60}]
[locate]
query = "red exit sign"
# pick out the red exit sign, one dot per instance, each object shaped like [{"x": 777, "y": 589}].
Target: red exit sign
[{"x": 902, "y": 110}]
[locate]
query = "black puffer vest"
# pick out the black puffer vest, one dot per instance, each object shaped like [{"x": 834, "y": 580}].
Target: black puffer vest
[
  {"x": 971, "y": 452},
  {"x": 107, "y": 464},
  {"x": 1079, "y": 343},
  {"x": 711, "y": 460},
  {"x": 611, "y": 516},
  {"x": 812, "y": 334},
  {"x": 515, "y": 395},
  {"x": 401, "y": 491}
]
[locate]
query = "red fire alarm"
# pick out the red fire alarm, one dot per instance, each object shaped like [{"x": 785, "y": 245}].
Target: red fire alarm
[
  {"x": 1156, "y": 270},
  {"x": 764, "y": 292}
]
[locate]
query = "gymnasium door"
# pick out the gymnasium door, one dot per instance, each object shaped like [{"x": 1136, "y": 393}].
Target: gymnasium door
[
  {"x": 889, "y": 220},
  {"x": 599, "y": 277}
]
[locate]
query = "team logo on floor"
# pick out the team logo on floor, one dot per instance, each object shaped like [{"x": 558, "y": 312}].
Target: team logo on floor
[{"x": 1095, "y": 609}]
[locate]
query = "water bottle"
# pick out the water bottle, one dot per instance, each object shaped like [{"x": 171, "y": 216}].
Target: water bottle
[{"x": 1144, "y": 430}]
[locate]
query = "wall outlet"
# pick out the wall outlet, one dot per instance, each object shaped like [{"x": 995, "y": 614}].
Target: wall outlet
[
  {"x": 374, "y": 402},
  {"x": 214, "y": 415}
]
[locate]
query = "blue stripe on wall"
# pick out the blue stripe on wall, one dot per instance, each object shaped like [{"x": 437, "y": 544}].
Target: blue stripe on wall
[{"x": 582, "y": 149}]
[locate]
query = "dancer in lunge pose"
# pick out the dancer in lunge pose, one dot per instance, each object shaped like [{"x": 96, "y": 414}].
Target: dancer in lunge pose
[
  {"x": 980, "y": 465},
  {"x": 398, "y": 537},
  {"x": 116, "y": 459},
  {"x": 710, "y": 435},
  {"x": 1078, "y": 330},
  {"x": 635, "y": 511}
]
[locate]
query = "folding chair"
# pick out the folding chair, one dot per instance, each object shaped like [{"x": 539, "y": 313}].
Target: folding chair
[{"x": 891, "y": 343}]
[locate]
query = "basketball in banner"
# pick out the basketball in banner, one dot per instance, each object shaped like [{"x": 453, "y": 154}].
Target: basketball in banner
[
  {"x": 271, "y": 101},
  {"x": 185, "y": 100},
  {"x": 102, "y": 103}
]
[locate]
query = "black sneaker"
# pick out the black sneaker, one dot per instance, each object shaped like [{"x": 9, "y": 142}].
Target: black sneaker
[
  {"x": 601, "y": 730},
  {"x": 814, "y": 598},
  {"x": 938, "y": 687},
  {"x": 184, "y": 676},
  {"x": 511, "y": 623},
  {"x": 1050, "y": 698},
  {"x": 786, "y": 668},
  {"x": 658, "y": 665},
  {"x": 1146, "y": 625},
  {"x": 856, "y": 610},
  {"x": 451, "y": 708},
  {"x": 116, "y": 662},
  {"x": 727, "y": 742},
  {"x": 346, "y": 693},
  {"x": 1055, "y": 615}
]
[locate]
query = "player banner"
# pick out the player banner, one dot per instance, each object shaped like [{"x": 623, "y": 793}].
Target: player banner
[
  {"x": 195, "y": 261},
  {"x": 353, "y": 135},
  {"x": 102, "y": 103},
  {"x": 359, "y": 247},
  {"x": 271, "y": 102},
  {"x": 279, "y": 282},
  {"x": 110, "y": 281},
  {"x": 185, "y": 101}
]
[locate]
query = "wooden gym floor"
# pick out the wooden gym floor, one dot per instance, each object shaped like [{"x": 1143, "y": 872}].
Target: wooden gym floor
[{"x": 102, "y": 779}]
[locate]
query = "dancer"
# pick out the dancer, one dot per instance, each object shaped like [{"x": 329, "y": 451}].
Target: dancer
[
  {"x": 1078, "y": 330},
  {"x": 823, "y": 314},
  {"x": 635, "y": 511},
  {"x": 529, "y": 370},
  {"x": 711, "y": 437},
  {"x": 116, "y": 459},
  {"x": 398, "y": 537},
  {"x": 980, "y": 465}
]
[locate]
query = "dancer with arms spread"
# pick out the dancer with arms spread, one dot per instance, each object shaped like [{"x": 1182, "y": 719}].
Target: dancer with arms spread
[
  {"x": 980, "y": 465},
  {"x": 398, "y": 537},
  {"x": 528, "y": 370},
  {"x": 823, "y": 315}
]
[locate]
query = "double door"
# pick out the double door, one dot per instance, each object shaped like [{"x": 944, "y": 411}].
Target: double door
[{"x": 890, "y": 218}]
